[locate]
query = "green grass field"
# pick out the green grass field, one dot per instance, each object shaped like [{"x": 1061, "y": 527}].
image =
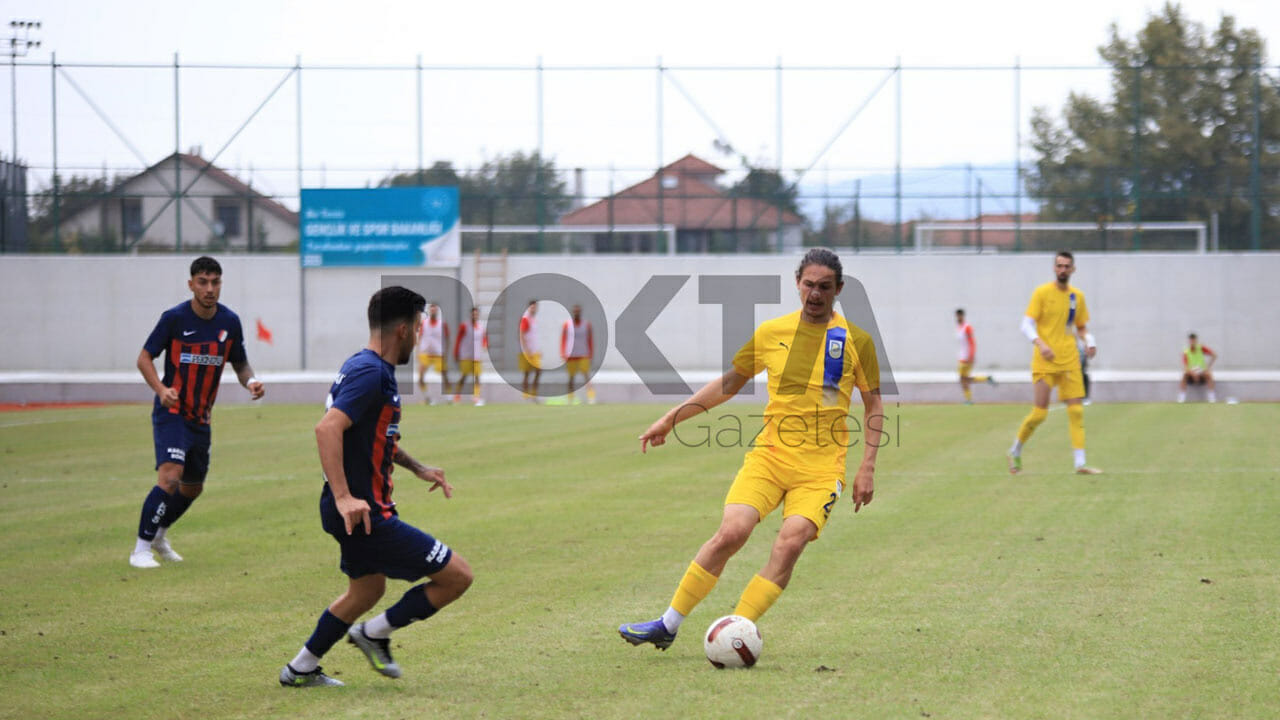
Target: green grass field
[{"x": 960, "y": 592}]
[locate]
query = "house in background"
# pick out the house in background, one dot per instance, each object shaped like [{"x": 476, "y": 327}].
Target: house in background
[
  {"x": 218, "y": 211},
  {"x": 706, "y": 217}
]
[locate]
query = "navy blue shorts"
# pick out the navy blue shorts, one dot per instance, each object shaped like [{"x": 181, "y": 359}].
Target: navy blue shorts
[
  {"x": 394, "y": 548},
  {"x": 181, "y": 441}
]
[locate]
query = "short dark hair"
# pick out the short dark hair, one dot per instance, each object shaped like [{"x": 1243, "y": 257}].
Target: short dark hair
[
  {"x": 392, "y": 305},
  {"x": 205, "y": 264},
  {"x": 959, "y": 311},
  {"x": 821, "y": 256},
  {"x": 1066, "y": 254},
  {"x": 1191, "y": 336}
]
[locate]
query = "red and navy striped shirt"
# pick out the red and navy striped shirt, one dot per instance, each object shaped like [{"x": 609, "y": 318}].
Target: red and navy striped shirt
[
  {"x": 366, "y": 392},
  {"x": 195, "y": 352}
]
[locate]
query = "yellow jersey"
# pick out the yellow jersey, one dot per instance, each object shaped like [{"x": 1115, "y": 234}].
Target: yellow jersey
[
  {"x": 1057, "y": 314},
  {"x": 813, "y": 370}
]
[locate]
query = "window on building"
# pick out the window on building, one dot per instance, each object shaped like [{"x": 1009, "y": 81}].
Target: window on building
[
  {"x": 226, "y": 213},
  {"x": 131, "y": 217}
]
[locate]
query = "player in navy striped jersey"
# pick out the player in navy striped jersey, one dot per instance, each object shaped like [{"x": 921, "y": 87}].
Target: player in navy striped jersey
[
  {"x": 197, "y": 338},
  {"x": 358, "y": 438}
]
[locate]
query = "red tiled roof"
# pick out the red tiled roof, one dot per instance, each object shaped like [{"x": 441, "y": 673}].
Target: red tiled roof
[
  {"x": 693, "y": 204},
  {"x": 693, "y": 165}
]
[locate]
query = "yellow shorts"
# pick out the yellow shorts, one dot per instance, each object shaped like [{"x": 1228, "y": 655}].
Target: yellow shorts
[
  {"x": 964, "y": 368},
  {"x": 470, "y": 367},
  {"x": 763, "y": 484},
  {"x": 431, "y": 362},
  {"x": 530, "y": 362},
  {"x": 1070, "y": 383},
  {"x": 578, "y": 365}
]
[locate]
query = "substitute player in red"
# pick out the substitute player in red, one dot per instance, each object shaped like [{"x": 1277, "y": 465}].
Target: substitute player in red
[
  {"x": 470, "y": 347},
  {"x": 577, "y": 346},
  {"x": 358, "y": 439},
  {"x": 966, "y": 351},
  {"x": 198, "y": 338}
]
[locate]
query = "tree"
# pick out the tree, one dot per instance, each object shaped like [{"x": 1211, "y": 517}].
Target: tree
[
  {"x": 768, "y": 185},
  {"x": 515, "y": 189},
  {"x": 1187, "y": 132},
  {"x": 73, "y": 195}
]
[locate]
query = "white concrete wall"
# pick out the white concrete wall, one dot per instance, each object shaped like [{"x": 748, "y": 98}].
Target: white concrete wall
[{"x": 94, "y": 312}]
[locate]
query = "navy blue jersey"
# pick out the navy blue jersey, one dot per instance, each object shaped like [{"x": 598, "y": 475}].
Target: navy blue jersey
[
  {"x": 366, "y": 392},
  {"x": 196, "y": 350}
]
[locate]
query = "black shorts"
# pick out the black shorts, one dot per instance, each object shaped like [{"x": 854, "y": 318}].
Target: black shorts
[
  {"x": 393, "y": 548},
  {"x": 181, "y": 441},
  {"x": 1194, "y": 378}
]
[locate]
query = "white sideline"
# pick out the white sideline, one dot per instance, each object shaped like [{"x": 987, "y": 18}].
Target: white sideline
[{"x": 629, "y": 377}]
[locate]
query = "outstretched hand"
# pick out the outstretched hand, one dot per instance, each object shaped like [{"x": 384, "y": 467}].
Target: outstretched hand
[
  {"x": 435, "y": 476},
  {"x": 656, "y": 434}
]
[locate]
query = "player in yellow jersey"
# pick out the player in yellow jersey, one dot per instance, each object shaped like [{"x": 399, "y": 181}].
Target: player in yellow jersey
[
  {"x": 815, "y": 361},
  {"x": 1055, "y": 317}
]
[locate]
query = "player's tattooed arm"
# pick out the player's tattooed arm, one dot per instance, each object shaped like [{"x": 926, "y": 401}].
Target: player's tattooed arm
[
  {"x": 244, "y": 373},
  {"x": 433, "y": 475}
]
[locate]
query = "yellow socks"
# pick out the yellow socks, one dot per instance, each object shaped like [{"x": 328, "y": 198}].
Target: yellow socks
[
  {"x": 1075, "y": 424},
  {"x": 694, "y": 586},
  {"x": 758, "y": 597},
  {"x": 968, "y": 395},
  {"x": 1031, "y": 422}
]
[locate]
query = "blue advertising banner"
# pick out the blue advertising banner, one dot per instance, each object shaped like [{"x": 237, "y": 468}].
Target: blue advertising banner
[{"x": 397, "y": 226}]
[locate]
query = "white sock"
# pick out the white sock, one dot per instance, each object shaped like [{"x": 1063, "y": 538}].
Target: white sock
[
  {"x": 159, "y": 534},
  {"x": 1212, "y": 397},
  {"x": 671, "y": 620},
  {"x": 1079, "y": 458},
  {"x": 142, "y": 546},
  {"x": 1016, "y": 450},
  {"x": 305, "y": 662},
  {"x": 378, "y": 628},
  {"x": 1182, "y": 397}
]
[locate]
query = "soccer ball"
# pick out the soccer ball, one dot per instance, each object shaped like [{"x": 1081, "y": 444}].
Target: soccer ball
[{"x": 733, "y": 642}]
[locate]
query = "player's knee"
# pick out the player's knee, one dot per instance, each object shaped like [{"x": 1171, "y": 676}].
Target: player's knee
[
  {"x": 730, "y": 537},
  {"x": 1037, "y": 416},
  {"x": 168, "y": 477},
  {"x": 457, "y": 576}
]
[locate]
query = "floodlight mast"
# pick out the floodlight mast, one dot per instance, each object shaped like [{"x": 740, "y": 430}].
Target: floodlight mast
[{"x": 20, "y": 44}]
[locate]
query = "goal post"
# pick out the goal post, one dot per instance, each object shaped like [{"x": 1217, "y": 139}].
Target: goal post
[
  {"x": 570, "y": 239},
  {"x": 968, "y": 236}
]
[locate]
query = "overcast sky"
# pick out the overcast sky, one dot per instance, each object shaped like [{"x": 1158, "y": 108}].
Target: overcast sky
[{"x": 358, "y": 125}]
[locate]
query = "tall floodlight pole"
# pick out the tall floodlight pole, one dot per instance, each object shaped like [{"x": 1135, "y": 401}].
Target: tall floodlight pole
[{"x": 20, "y": 43}]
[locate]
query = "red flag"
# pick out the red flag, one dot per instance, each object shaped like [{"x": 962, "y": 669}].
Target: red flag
[{"x": 263, "y": 333}]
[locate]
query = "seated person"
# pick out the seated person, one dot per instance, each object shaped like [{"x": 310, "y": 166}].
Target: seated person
[{"x": 1195, "y": 369}]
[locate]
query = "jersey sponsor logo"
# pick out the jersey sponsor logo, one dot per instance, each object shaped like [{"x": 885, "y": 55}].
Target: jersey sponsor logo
[
  {"x": 393, "y": 429},
  {"x": 194, "y": 359}
]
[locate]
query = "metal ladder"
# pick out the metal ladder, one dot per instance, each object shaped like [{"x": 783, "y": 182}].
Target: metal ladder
[{"x": 490, "y": 281}]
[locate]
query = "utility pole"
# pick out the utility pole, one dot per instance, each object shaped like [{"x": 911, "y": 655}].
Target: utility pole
[{"x": 20, "y": 43}]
